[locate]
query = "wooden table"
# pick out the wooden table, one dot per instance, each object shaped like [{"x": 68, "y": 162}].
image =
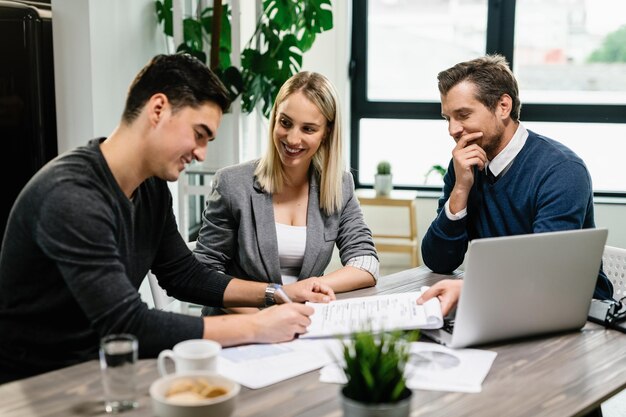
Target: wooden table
[{"x": 562, "y": 375}]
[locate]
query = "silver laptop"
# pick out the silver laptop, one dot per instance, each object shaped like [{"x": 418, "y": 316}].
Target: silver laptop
[{"x": 525, "y": 285}]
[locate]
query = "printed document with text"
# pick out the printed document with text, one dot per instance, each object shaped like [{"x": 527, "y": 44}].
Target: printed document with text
[{"x": 376, "y": 313}]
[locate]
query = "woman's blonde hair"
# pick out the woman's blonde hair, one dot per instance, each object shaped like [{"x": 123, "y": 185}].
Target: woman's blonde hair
[{"x": 328, "y": 160}]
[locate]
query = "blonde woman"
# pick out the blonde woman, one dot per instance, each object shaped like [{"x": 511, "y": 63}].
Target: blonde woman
[{"x": 278, "y": 218}]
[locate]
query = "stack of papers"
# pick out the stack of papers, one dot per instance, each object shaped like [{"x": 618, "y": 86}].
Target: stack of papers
[
  {"x": 431, "y": 366},
  {"x": 436, "y": 368},
  {"x": 375, "y": 313}
]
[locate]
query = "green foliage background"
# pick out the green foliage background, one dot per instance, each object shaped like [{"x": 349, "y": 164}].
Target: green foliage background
[
  {"x": 285, "y": 30},
  {"x": 613, "y": 48}
]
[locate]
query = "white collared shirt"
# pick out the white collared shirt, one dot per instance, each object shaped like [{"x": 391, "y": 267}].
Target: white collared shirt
[
  {"x": 497, "y": 164},
  {"x": 508, "y": 154}
]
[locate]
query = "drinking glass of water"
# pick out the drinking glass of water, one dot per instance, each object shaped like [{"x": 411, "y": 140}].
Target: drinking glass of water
[{"x": 118, "y": 359}]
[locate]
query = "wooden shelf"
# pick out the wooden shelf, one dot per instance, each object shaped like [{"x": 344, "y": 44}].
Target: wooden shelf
[{"x": 400, "y": 241}]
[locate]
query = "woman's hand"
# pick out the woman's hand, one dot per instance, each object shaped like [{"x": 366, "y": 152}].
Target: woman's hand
[{"x": 310, "y": 289}]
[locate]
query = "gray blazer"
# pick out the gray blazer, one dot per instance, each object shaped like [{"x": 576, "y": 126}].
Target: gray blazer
[{"x": 238, "y": 233}]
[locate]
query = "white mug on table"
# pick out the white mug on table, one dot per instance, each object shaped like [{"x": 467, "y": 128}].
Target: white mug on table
[{"x": 191, "y": 355}]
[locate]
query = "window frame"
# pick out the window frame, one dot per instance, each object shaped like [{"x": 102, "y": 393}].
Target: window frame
[{"x": 500, "y": 39}]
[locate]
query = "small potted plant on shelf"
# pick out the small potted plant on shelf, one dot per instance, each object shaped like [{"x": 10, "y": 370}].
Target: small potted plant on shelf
[
  {"x": 382, "y": 179},
  {"x": 374, "y": 367}
]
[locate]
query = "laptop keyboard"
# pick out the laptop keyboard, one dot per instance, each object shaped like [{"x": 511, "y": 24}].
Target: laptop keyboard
[{"x": 448, "y": 325}]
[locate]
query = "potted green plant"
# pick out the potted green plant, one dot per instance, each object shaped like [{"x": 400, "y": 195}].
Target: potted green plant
[
  {"x": 285, "y": 30},
  {"x": 435, "y": 168},
  {"x": 374, "y": 367},
  {"x": 383, "y": 179}
]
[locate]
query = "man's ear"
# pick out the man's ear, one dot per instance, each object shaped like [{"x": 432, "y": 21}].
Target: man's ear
[
  {"x": 504, "y": 106},
  {"x": 156, "y": 106}
]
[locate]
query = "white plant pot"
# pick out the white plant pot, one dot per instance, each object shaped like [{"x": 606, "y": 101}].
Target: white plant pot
[{"x": 383, "y": 184}]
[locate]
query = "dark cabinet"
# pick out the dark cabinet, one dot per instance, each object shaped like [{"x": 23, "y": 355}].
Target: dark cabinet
[{"x": 28, "y": 136}]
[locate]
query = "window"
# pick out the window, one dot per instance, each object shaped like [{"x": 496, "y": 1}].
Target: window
[{"x": 569, "y": 57}]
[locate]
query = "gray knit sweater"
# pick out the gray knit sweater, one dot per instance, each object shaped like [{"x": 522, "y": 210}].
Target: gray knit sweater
[{"x": 74, "y": 254}]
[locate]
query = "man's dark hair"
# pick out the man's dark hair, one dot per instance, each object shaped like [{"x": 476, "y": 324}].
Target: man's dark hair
[
  {"x": 492, "y": 77},
  {"x": 185, "y": 80}
]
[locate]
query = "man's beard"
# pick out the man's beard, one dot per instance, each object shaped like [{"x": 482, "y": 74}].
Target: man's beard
[{"x": 492, "y": 146}]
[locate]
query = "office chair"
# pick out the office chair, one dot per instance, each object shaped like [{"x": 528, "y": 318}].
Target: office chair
[
  {"x": 614, "y": 265},
  {"x": 160, "y": 297}
]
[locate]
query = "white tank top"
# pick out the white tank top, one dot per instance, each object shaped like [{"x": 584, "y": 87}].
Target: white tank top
[{"x": 291, "y": 246}]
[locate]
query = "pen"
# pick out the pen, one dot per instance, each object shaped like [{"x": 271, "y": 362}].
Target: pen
[{"x": 283, "y": 295}]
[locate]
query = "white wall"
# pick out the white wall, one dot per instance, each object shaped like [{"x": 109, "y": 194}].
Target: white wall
[
  {"x": 99, "y": 46},
  {"x": 612, "y": 216},
  {"x": 330, "y": 56}
]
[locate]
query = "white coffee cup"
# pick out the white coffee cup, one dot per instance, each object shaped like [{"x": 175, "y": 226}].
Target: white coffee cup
[{"x": 191, "y": 355}]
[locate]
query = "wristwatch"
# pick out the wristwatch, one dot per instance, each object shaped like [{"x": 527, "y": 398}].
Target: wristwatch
[{"x": 270, "y": 290}]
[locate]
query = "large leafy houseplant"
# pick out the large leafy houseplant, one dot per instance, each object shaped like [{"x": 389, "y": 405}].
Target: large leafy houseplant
[
  {"x": 284, "y": 31},
  {"x": 374, "y": 365}
]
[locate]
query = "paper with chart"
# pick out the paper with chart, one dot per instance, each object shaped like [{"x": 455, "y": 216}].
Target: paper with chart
[
  {"x": 434, "y": 367},
  {"x": 439, "y": 368},
  {"x": 376, "y": 313}
]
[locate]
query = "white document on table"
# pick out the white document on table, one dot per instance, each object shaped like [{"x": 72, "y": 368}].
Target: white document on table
[
  {"x": 376, "y": 313},
  {"x": 438, "y": 368},
  {"x": 260, "y": 365},
  {"x": 434, "y": 367}
]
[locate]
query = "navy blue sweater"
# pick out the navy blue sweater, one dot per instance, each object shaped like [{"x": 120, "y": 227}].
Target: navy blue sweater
[{"x": 547, "y": 188}]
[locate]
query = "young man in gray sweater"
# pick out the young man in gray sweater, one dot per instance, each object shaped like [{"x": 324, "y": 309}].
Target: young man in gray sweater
[{"x": 89, "y": 225}]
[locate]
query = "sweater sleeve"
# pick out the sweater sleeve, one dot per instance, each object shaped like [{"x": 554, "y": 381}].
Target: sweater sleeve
[
  {"x": 79, "y": 233},
  {"x": 354, "y": 237},
  {"x": 445, "y": 242}
]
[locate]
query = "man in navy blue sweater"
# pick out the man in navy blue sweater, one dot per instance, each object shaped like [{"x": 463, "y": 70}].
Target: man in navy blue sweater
[{"x": 503, "y": 179}]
